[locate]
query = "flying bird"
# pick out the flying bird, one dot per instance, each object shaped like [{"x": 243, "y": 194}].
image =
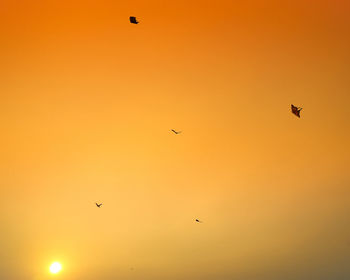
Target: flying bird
[
  {"x": 176, "y": 132},
  {"x": 133, "y": 20},
  {"x": 198, "y": 221},
  {"x": 296, "y": 110},
  {"x": 98, "y": 205}
]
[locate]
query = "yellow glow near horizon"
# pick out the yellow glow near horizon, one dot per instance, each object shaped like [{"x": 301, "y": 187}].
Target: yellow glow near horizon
[{"x": 55, "y": 267}]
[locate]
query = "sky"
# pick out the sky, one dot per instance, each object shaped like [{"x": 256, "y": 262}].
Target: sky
[{"x": 87, "y": 104}]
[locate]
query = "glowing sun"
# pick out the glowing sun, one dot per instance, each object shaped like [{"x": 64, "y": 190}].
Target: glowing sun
[{"x": 55, "y": 267}]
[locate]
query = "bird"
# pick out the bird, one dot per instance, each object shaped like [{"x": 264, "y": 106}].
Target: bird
[
  {"x": 176, "y": 132},
  {"x": 296, "y": 110},
  {"x": 198, "y": 221},
  {"x": 98, "y": 205},
  {"x": 133, "y": 20}
]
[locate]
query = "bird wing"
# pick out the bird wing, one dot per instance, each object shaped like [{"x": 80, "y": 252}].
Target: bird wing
[
  {"x": 133, "y": 20},
  {"x": 295, "y": 110}
]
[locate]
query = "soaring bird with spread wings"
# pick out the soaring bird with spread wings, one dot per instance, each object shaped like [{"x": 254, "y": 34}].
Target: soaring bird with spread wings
[
  {"x": 98, "y": 205},
  {"x": 133, "y": 20},
  {"x": 296, "y": 110},
  {"x": 176, "y": 132}
]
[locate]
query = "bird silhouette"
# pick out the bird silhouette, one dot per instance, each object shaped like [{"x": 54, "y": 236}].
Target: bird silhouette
[
  {"x": 198, "y": 221},
  {"x": 133, "y": 20},
  {"x": 98, "y": 205},
  {"x": 176, "y": 132},
  {"x": 296, "y": 110}
]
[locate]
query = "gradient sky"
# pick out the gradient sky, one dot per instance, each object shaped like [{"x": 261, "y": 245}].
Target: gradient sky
[{"x": 87, "y": 104}]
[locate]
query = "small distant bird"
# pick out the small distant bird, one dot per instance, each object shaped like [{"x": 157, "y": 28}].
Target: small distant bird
[
  {"x": 296, "y": 110},
  {"x": 98, "y": 205},
  {"x": 176, "y": 132},
  {"x": 198, "y": 221},
  {"x": 133, "y": 20}
]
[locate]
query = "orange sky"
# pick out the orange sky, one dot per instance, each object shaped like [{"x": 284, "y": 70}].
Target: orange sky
[{"x": 87, "y": 104}]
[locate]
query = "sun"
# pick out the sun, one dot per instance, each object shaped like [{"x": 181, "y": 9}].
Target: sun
[{"x": 55, "y": 267}]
